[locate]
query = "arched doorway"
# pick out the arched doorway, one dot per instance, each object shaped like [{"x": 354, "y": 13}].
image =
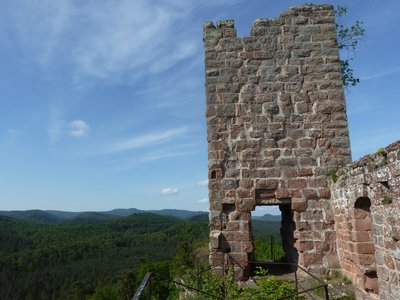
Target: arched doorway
[{"x": 364, "y": 248}]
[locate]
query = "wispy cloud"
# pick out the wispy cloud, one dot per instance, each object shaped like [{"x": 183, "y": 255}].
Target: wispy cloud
[
  {"x": 381, "y": 74},
  {"x": 202, "y": 201},
  {"x": 12, "y": 131},
  {"x": 59, "y": 127},
  {"x": 110, "y": 40},
  {"x": 168, "y": 191},
  {"x": 203, "y": 183},
  {"x": 78, "y": 128},
  {"x": 113, "y": 40},
  {"x": 147, "y": 140},
  {"x": 162, "y": 155},
  {"x": 56, "y": 125}
]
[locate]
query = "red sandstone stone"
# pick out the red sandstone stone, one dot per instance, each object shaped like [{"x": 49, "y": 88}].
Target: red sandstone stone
[
  {"x": 233, "y": 226},
  {"x": 299, "y": 206},
  {"x": 305, "y": 172},
  {"x": 245, "y": 204},
  {"x": 308, "y": 259},
  {"x": 289, "y": 173},
  {"x": 371, "y": 284},
  {"x": 362, "y": 225},
  {"x": 297, "y": 183},
  {"x": 247, "y": 247},
  {"x": 365, "y": 259},
  {"x": 304, "y": 245},
  {"x": 272, "y": 134},
  {"x": 360, "y": 213},
  {"x": 325, "y": 193},
  {"x": 310, "y": 194},
  {"x": 389, "y": 262},
  {"x": 365, "y": 248},
  {"x": 303, "y": 226},
  {"x": 361, "y": 236},
  {"x": 282, "y": 194}
]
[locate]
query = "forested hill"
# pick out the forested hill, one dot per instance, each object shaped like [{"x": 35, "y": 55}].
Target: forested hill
[
  {"x": 72, "y": 260},
  {"x": 68, "y": 261},
  {"x": 90, "y": 217}
]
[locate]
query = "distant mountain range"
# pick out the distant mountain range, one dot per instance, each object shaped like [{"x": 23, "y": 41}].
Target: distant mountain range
[
  {"x": 96, "y": 217},
  {"x": 268, "y": 218}
]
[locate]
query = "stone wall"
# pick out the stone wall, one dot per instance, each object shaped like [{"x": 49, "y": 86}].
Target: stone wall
[
  {"x": 277, "y": 126},
  {"x": 366, "y": 200}
]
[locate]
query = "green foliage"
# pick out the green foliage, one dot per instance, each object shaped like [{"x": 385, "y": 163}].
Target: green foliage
[
  {"x": 348, "y": 39},
  {"x": 212, "y": 285},
  {"x": 333, "y": 175},
  {"x": 69, "y": 261},
  {"x": 262, "y": 232},
  {"x": 109, "y": 260},
  {"x": 184, "y": 258},
  {"x": 338, "y": 275},
  {"x": 387, "y": 200},
  {"x": 339, "y": 286},
  {"x": 262, "y": 250},
  {"x": 127, "y": 284},
  {"x": 395, "y": 238},
  {"x": 348, "y": 77},
  {"x": 269, "y": 288},
  {"x": 381, "y": 151},
  {"x": 108, "y": 292},
  {"x": 161, "y": 280}
]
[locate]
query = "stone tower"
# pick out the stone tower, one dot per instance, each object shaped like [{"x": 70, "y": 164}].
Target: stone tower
[{"x": 277, "y": 127}]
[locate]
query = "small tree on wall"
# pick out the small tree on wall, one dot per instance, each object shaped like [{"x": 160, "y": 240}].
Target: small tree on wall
[{"x": 348, "y": 39}]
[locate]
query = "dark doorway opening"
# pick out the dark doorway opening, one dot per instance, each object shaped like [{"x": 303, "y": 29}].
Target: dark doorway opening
[
  {"x": 273, "y": 239},
  {"x": 288, "y": 226}
]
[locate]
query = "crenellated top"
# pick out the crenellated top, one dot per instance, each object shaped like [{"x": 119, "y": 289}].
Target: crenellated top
[
  {"x": 297, "y": 15},
  {"x": 311, "y": 7}
]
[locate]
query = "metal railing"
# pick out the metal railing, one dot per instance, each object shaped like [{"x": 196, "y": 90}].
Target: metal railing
[
  {"x": 295, "y": 268},
  {"x": 146, "y": 282},
  {"x": 299, "y": 289}
]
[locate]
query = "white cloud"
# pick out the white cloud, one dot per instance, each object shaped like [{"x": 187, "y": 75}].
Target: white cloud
[
  {"x": 202, "y": 201},
  {"x": 12, "y": 131},
  {"x": 170, "y": 191},
  {"x": 203, "y": 183},
  {"x": 78, "y": 128},
  {"x": 147, "y": 140},
  {"x": 112, "y": 40}
]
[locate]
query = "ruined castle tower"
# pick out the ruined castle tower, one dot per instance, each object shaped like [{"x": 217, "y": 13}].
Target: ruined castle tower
[{"x": 277, "y": 127}]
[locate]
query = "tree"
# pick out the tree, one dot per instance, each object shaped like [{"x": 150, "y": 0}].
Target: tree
[{"x": 348, "y": 39}]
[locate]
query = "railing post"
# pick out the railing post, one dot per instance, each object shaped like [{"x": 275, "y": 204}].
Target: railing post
[
  {"x": 224, "y": 273},
  {"x": 273, "y": 248},
  {"x": 197, "y": 274},
  {"x": 148, "y": 297},
  {"x": 296, "y": 282},
  {"x": 326, "y": 292}
]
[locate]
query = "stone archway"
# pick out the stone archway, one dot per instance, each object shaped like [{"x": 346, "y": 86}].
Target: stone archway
[{"x": 364, "y": 249}]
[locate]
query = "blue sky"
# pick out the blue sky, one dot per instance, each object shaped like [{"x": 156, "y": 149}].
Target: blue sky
[{"x": 102, "y": 102}]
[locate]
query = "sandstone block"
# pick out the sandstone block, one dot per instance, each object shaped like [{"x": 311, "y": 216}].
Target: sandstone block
[
  {"x": 365, "y": 248},
  {"x": 308, "y": 259}
]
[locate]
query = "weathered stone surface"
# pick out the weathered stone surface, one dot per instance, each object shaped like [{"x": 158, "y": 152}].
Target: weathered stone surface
[
  {"x": 272, "y": 140},
  {"x": 366, "y": 201},
  {"x": 277, "y": 127}
]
